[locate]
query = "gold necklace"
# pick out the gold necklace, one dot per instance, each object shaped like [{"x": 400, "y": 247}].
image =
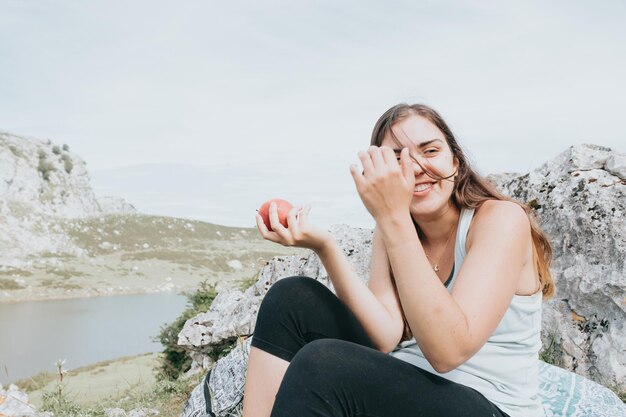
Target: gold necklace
[{"x": 436, "y": 266}]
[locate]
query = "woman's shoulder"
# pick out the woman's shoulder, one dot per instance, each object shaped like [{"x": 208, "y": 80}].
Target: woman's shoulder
[
  {"x": 493, "y": 214},
  {"x": 493, "y": 208}
]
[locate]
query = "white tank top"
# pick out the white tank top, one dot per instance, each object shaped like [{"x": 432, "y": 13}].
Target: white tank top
[{"x": 506, "y": 369}]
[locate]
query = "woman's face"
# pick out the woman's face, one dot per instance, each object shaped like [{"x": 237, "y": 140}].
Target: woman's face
[{"x": 428, "y": 145}]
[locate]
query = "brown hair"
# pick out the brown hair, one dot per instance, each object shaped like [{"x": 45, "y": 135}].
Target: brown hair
[{"x": 470, "y": 189}]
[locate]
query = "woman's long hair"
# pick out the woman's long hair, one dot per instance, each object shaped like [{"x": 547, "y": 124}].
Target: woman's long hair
[{"x": 470, "y": 189}]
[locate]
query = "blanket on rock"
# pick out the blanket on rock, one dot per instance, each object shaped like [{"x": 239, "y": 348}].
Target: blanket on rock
[{"x": 563, "y": 393}]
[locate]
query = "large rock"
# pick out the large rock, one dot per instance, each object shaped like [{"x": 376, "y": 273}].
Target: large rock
[
  {"x": 40, "y": 182},
  {"x": 52, "y": 180},
  {"x": 14, "y": 403},
  {"x": 578, "y": 198}
]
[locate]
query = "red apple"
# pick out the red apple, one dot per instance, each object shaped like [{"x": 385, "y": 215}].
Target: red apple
[{"x": 283, "y": 207}]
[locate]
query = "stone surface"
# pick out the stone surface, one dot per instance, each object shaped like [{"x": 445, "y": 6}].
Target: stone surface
[
  {"x": 41, "y": 181},
  {"x": 578, "y": 199},
  {"x": 14, "y": 403}
]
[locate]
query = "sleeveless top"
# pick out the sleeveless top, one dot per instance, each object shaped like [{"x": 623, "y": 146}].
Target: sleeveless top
[{"x": 506, "y": 368}]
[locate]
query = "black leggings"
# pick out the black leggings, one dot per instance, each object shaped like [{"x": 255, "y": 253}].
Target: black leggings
[{"x": 334, "y": 368}]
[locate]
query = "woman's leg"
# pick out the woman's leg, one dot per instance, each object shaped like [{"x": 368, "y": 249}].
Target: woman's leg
[
  {"x": 295, "y": 311},
  {"x": 331, "y": 378}
]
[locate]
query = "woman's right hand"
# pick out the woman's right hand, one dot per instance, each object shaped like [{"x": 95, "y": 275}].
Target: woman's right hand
[{"x": 298, "y": 233}]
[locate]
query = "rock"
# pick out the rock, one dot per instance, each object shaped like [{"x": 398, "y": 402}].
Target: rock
[
  {"x": 114, "y": 412},
  {"x": 143, "y": 412},
  {"x": 14, "y": 402},
  {"x": 136, "y": 412},
  {"x": 616, "y": 165},
  {"x": 115, "y": 205},
  {"x": 579, "y": 201},
  {"x": 40, "y": 185}
]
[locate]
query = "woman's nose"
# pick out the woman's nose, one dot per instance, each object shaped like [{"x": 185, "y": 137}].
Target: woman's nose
[{"x": 415, "y": 164}]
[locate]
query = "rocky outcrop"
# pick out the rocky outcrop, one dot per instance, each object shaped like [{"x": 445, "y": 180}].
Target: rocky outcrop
[
  {"x": 48, "y": 177},
  {"x": 14, "y": 402},
  {"x": 578, "y": 198},
  {"x": 39, "y": 181}
]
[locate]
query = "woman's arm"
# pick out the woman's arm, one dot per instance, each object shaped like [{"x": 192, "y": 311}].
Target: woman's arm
[
  {"x": 450, "y": 327},
  {"x": 381, "y": 325}
]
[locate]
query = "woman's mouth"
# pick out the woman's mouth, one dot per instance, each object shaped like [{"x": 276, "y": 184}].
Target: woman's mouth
[{"x": 423, "y": 188}]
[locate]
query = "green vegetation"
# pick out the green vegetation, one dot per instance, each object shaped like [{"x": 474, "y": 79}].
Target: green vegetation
[
  {"x": 553, "y": 354},
  {"x": 45, "y": 167},
  {"x": 56, "y": 150},
  {"x": 15, "y": 272},
  {"x": 167, "y": 396},
  {"x": 68, "y": 165},
  {"x": 174, "y": 361},
  {"x": 16, "y": 151},
  {"x": 619, "y": 392},
  {"x": 10, "y": 284},
  {"x": 534, "y": 204},
  {"x": 66, "y": 148}
]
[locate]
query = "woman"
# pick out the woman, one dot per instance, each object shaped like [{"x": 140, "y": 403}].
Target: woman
[{"x": 449, "y": 322}]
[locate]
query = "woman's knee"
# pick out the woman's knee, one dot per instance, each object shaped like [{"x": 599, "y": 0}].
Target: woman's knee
[
  {"x": 294, "y": 289},
  {"x": 321, "y": 353},
  {"x": 319, "y": 361}
]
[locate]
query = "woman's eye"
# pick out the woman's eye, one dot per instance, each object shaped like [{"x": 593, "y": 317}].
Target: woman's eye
[{"x": 431, "y": 150}]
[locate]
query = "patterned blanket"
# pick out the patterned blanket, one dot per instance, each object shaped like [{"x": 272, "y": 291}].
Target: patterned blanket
[{"x": 563, "y": 393}]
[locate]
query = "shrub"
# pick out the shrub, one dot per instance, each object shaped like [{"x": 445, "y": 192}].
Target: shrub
[
  {"x": 67, "y": 163},
  {"x": 174, "y": 360},
  {"x": 45, "y": 167},
  {"x": 16, "y": 151},
  {"x": 56, "y": 150},
  {"x": 553, "y": 353},
  {"x": 66, "y": 148}
]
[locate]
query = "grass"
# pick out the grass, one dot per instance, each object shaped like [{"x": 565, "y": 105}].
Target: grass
[
  {"x": 166, "y": 396},
  {"x": 15, "y": 272},
  {"x": 60, "y": 397},
  {"x": 10, "y": 284},
  {"x": 553, "y": 354},
  {"x": 618, "y": 391}
]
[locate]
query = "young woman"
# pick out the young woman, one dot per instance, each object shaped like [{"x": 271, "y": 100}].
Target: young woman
[{"x": 449, "y": 322}]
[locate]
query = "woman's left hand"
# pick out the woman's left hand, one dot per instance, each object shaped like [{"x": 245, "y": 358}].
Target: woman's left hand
[{"x": 385, "y": 187}]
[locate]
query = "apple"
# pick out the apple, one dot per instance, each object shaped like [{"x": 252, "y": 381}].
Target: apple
[{"x": 282, "y": 207}]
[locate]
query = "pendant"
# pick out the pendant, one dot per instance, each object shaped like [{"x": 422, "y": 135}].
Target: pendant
[{"x": 436, "y": 268}]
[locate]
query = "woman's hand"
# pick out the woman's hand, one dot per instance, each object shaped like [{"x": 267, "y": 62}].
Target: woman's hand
[
  {"x": 299, "y": 232},
  {"x": 385, "y": 187}
]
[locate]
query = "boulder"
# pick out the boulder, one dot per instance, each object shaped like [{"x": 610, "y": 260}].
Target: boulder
[
  {"x": 578, "y": 199},
  {"x": 14, "y": 402}
]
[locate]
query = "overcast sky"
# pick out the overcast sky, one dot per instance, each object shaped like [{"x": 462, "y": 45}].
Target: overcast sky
[{"x": 300, "y": 84}]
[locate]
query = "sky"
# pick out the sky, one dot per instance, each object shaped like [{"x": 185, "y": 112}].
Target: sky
[{"x": 279, "y": 96}]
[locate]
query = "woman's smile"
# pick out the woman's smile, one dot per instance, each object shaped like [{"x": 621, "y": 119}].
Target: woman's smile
[{"x": 423, "y": 189}]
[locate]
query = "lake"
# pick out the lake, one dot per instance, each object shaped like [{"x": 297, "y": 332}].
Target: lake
[{"x": 34, "y": 335}]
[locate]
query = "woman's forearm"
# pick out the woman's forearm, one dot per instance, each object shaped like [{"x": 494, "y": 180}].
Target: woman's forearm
[
  {"x": 349, "y": 288},
  {"x": 435, "y": 319}
]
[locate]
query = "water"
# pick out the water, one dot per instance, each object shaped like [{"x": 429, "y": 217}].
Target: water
[{"x": 33, "y": 335}]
